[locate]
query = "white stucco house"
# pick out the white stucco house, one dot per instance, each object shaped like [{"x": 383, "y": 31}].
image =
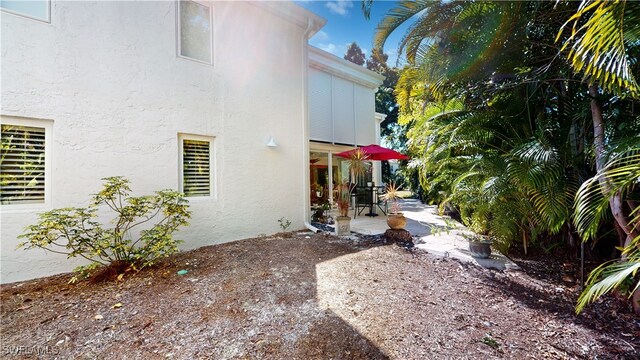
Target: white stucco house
[{"x": 106, "y": 88}]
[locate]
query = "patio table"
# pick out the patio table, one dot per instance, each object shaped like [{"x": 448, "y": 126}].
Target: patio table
[{"x": 373, "y": 199}]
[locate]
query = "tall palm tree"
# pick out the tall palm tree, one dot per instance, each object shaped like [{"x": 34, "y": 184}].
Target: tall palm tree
[
  {"x": 604, "y": 34},
  {"x": 620, "y": 176},
  {"x": 602, "y": 31}
]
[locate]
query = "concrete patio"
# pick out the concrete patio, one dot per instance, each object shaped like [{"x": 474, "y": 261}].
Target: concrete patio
[{"x": 438, "y": 235}]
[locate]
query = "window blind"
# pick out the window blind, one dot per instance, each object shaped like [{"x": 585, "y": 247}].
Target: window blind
[
  {"x": 196, "y": 168},
  {"x": 22, "y": 165}
]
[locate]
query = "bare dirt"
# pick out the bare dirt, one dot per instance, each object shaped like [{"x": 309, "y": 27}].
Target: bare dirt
[{"x": 312, "y": 297}]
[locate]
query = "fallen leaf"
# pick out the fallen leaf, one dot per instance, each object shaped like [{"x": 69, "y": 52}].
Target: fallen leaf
[{"x": 116, "y": 306}]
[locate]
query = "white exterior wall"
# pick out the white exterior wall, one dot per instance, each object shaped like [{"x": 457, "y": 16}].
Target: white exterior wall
[
  {"x": 341, "y": 100},
  {"x": 107, "y": 76}
]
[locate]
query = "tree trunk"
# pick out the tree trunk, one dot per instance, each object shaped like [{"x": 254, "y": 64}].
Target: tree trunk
[{"x": 615, "y": 201}]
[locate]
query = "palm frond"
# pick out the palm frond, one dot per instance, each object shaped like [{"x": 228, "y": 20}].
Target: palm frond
[
  {"x": 396, "y": 17},
  {"x": 597, "y": 45},
  {"x": 607, "y": 277},
  {"x": 592, "y": 199}
]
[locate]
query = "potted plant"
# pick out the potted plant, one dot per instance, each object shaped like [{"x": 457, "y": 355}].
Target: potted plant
[
  {"x": 479, "y": 245},
  {"x": 320, "y": 214},
  {"x": 344, "y": 198},
  {"x": 357, "y": 167},
  {"x": 395, "y": 218}
]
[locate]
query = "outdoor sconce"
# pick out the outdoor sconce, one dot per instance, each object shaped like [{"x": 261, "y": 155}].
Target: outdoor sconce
[{"x": 272, "y": 143}]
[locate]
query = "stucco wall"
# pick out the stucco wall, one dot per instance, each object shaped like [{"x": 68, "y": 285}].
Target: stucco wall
[{"x": 107, "y": 75}]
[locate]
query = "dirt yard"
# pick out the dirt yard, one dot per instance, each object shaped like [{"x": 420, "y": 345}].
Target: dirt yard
[{"x": 311, "y": 297}]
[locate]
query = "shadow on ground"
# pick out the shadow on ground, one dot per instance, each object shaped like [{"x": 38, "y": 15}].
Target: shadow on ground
[
  {"x": 255, "y": 299},
  {"x": 558, "y": 305}
]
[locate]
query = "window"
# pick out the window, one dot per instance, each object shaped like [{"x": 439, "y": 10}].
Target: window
[
  {"x": 195, "y": 31},
  {"x": 23, "y": 164},
  {"x": 35, "y": 9},
  {"x": 196, "y": 164}
]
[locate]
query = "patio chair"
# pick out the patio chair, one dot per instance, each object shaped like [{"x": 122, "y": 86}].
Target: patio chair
[
  {"x": 382, "y": 203},
  {"x": 363, "y": 200}
]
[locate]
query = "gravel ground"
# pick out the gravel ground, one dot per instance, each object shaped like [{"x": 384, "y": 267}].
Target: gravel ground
[{"x": 301, "y": 296}]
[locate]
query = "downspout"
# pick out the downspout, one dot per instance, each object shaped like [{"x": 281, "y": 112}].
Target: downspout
[
  {"x": 306, "y": 186},
  {"x": 377, "y": 165}
]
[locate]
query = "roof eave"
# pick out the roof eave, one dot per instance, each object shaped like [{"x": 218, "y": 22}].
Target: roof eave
[
  {"x": 294, "y": 13},
  {"x": 325, "y": 61}
]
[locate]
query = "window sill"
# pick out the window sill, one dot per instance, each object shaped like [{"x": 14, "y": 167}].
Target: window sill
[
  {"x": 200, "y": 199},
  {"x": 23, "y": 208}
]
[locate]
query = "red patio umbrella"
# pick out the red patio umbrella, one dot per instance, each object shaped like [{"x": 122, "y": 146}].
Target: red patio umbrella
[{"x": 375, "y": 152}]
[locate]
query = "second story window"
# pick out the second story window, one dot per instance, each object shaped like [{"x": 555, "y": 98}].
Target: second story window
[
  {"x": 34, "y": 9},
  {"x": 195, "y": 31}
]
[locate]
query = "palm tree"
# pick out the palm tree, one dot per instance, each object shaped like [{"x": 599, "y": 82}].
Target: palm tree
[
  {"x": 603, "y": 34},
  {"x": 620, "y": 176},
  {"x": 480, "y": 124},
  {"x": 501, "y": 124}
]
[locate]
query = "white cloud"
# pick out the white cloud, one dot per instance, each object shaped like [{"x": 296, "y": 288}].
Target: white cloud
[
  {"x": 340, "y": 7},
  {"x": 331, "y": 48},
  {"x": 321, "y": 36}
]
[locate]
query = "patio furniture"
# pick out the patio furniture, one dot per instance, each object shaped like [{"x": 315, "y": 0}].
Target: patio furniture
[
  {"x": 363, "y": 199},
  {"x": 369, "y": 197},
  {"x": 381, "y": 203}
]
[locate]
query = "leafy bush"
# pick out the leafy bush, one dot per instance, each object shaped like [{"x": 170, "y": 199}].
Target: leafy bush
[
  {"x": 76, "y": 231},
  {"x": 284, "y": 223}
]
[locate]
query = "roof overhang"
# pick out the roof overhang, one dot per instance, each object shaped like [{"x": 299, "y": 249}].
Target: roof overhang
[
  {"x": 332, "y": 64},
  {"x": 294, "y": 13}
]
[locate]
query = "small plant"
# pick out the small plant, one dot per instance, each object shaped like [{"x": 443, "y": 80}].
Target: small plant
[
  {"x": 490, "y": 341},
  {"x": 358, "y": 166},
  {"x": 76, "y": 233},
  {"x": 318, "y": 189},
  {"x": 474, "y": 237},
  {"x": 284, "y": 223},
  {"x": 358, "y": 163},
  {"x": 393, "y": 196},
  {"x": 320, "y": 214},
  {"x": 344, "y": 197}
]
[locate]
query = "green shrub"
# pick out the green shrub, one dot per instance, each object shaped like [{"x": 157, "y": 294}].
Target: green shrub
[
  {"x": 284, "y": 223},
  {"x": 76, "y": 231}
]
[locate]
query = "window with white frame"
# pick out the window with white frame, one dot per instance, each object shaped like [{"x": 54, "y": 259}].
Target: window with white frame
[
  {"x": 23, "y": 163},
  {"x": 34, "y": 9},
  {"x": 196, "y": 165},
  {"x": 195, "y": 31}
]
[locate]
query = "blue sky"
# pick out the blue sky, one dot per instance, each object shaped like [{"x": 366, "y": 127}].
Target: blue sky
[{"x": 346, "y": 24}]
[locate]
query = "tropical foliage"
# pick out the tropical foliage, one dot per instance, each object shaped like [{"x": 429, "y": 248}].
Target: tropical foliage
[
  {"x": 601, "y": 33},
  {"x": 510, "y": 107},
  {"x": 620, "y": 176}
]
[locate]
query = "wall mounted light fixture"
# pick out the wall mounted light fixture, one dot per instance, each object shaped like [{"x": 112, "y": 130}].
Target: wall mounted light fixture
[{"x": 272, "y": 143}]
